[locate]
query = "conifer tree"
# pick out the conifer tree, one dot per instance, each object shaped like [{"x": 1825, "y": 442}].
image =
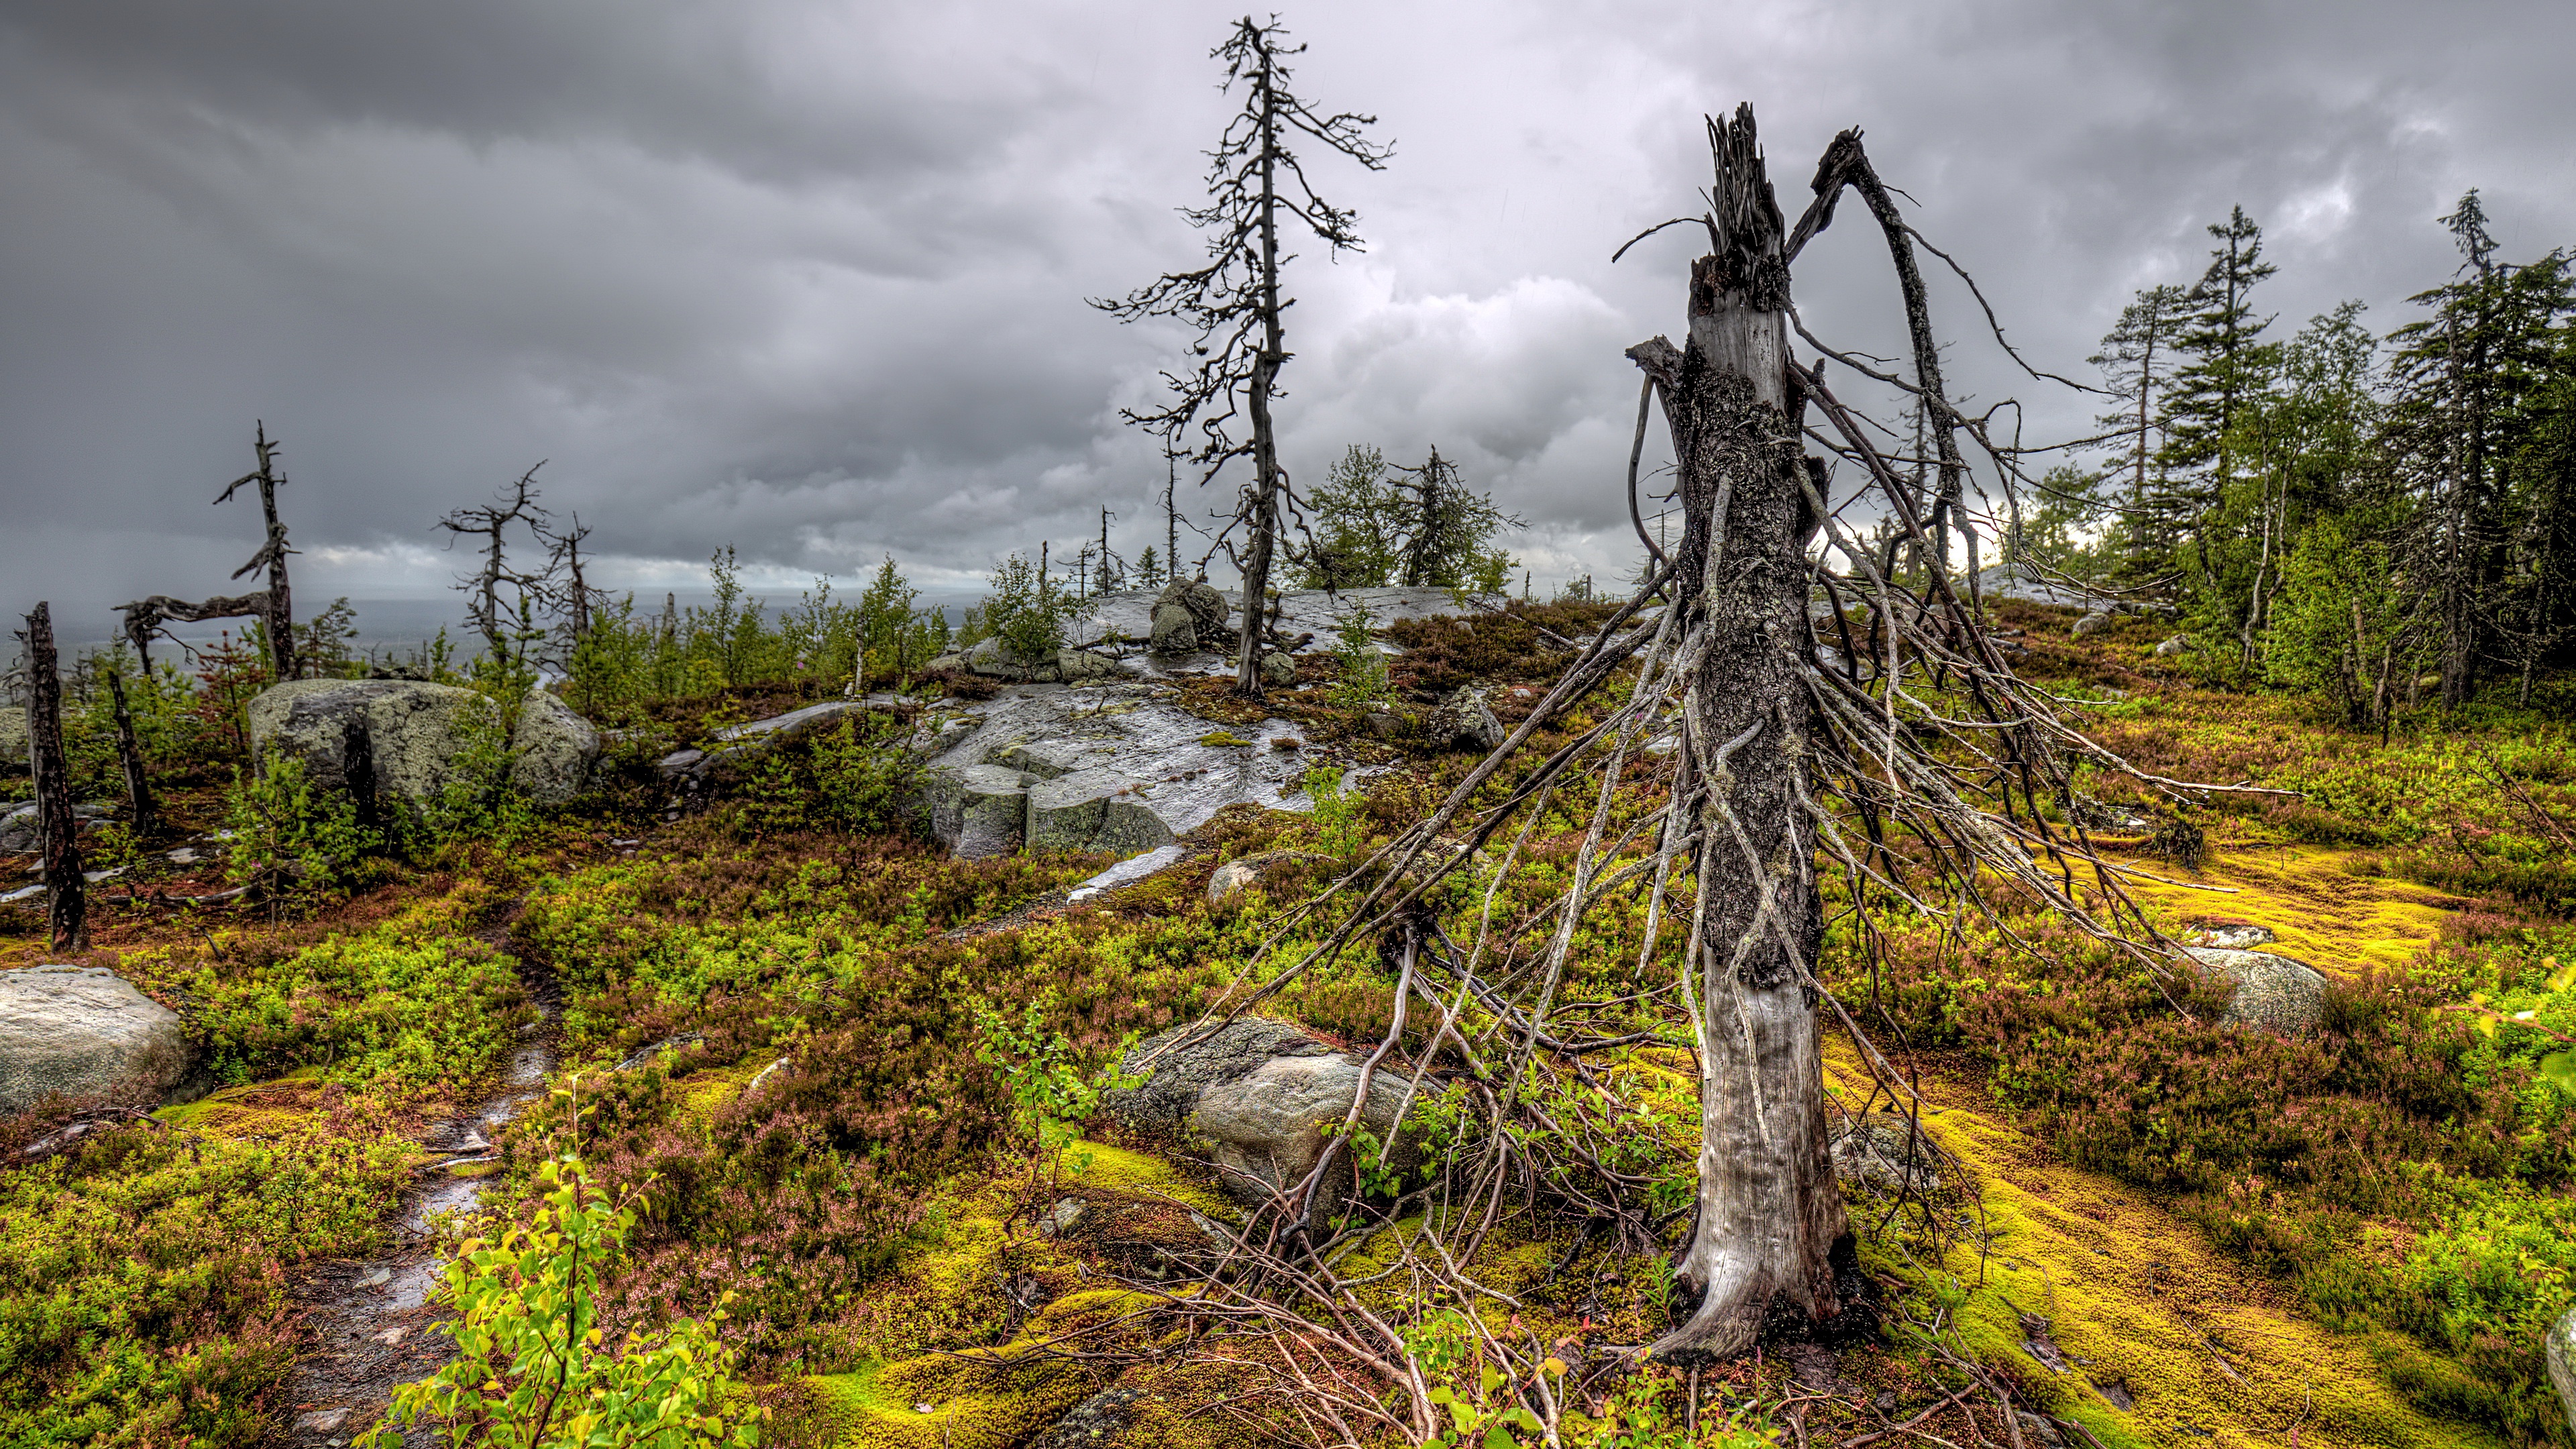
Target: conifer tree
[
  {"x": 2475, "y": 384},
  {"x": 2138, "y": 358},
  {"x": 1257, "y": 184},
  {"x": 2227, "y": 365}
]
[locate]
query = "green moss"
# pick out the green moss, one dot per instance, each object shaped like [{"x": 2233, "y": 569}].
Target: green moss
[
  {"x": 1089, "y": 1163},
  {"x": 968, "y": 1405},
  {"x": 2137, "y": 1298}
]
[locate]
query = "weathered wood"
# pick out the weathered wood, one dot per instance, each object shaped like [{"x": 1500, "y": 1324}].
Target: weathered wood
[
  {"x": 145, "y": 819},
  {"x": 1770, "y": 1220},
  {"x": 279, "y": 601},
  {"x": 273, "y": 606},
  {"x": 58, "y": 832}
]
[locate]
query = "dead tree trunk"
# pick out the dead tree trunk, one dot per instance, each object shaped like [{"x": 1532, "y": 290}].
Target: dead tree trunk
[
  {"x": 277, "y": 600},
  {"x": 138, "y": 786},
  {"x": 1770, "y": 1221},
  {"x": 273, "y": 606},
  {"x": 66, "y": 893}
]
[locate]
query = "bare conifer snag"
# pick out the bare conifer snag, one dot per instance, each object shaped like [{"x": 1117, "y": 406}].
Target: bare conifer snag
[
  {"x": 66, "y": 892},
  {"x": 1255, "y": 181},
  {"x": 273, "y": 606},
  {"x": 1769, "y": 1215}
]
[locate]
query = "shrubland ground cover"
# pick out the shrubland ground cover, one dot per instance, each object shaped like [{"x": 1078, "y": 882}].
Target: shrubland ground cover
[{"x": 2214, "y": 1222}]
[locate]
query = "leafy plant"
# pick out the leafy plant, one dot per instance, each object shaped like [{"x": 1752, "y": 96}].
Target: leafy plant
[
  {"x": 290, "y": 835},
  {"x": 531, "y": 1368},
  {"x": 1051, "y": 1097},
  {"x": 1363, "y": 679}
]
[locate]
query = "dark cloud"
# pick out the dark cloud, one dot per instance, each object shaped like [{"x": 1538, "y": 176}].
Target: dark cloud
[{"x": 809, "y": 277}]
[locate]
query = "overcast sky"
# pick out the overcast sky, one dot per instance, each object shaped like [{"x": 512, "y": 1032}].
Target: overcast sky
[{"x": 808, "y": 276}]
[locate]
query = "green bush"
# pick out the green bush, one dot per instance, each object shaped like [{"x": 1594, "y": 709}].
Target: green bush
[
  {"x": 290, "y": 836},
  {"x": 855, "y": 777},
  {"x": 409, "y": 1003},
  {"x": 142, "y": 1287},
  {"x": 531, "y": 1371}
]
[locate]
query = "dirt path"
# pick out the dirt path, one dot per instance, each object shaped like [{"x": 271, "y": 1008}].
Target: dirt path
[{"x": 367, "y": 1323}]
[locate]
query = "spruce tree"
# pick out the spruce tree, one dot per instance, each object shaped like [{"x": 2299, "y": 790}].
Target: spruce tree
[
  {"x": 2474, "y": 387},
  {"x": 2138, "y": 358}
]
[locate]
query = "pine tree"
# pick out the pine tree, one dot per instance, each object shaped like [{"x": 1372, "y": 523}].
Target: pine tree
[
  {"x": 2138, "y": 357},
  {"x": 1256, "y": 184}
]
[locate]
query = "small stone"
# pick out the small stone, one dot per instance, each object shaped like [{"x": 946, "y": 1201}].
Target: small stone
[
  {"x": 184, "y": 855},
  {"x": 322, "y": 1421},
  {"x": 2039, "y": 1430},
  {"x": 1278, "y": 670},
  {"x": 2090, "y": 624},
  {"x": 2173, "y": 646},
  {"x": 377, "y": 1279},
  {"x": 1063, "y": 1218}
]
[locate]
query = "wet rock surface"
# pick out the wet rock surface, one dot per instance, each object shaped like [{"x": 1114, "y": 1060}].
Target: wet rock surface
[
  {"x": 1114, "y": 767},
  {"x": 84, "y": 1031}
]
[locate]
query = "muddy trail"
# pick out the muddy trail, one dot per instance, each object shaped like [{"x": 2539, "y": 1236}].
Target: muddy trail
[{"x": 367, "y": 1323}]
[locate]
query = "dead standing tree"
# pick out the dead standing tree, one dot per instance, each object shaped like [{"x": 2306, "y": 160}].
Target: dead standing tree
[
  {"x": 273, "y": 606},
  {"x": 485, "y": 609},
  {"x": 1936, "y": 784},
  {"x": 57, "y": 829},
  {"x": 1255, "y": 181}
]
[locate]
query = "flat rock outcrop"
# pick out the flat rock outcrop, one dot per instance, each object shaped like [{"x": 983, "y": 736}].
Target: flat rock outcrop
[
  {"x": 1257, "y": 1097},
  {"x": 82, "y": 1031},
  {"x": 1110, "y": 767}
]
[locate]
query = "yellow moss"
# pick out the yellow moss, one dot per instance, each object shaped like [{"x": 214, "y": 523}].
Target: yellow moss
[
  {"x": 2210, "y": 1352},
  {"x": 1097, "y": 1163},
  {"x": 700, "y": 1095},
  {"x": 2317, "y": 909},
  {"x": 881, "y": 1406}
]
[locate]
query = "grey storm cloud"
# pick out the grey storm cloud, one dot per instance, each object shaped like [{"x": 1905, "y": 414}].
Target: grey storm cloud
[{"x": 810, "y": 277}]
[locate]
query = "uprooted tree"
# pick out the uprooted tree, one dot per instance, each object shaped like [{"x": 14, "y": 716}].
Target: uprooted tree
[{"x": 273, "y": 607}]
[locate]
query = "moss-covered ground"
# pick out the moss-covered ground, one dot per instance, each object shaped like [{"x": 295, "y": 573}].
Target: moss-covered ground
[{"x": 2156, "y": 1229}]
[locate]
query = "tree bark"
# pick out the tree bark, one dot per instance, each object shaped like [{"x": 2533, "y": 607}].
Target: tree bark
[
  {"x": 66, "y": 893},
  {"x": 138, "y": 786},
  {"x": 1265, "y": 370},
  {"x": 1762, "y": 1258}
]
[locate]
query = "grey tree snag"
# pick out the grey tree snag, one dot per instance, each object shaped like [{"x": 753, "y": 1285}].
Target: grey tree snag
[
  {"x": 1770, "y": 1219},
  {"x": 66, "y": 893},
  {"x": 278, "y": 602},
  {"x": 1236, "y": 301},
  {"x": 138, "y": 785},
  {"x": 273, "y": 606}
]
